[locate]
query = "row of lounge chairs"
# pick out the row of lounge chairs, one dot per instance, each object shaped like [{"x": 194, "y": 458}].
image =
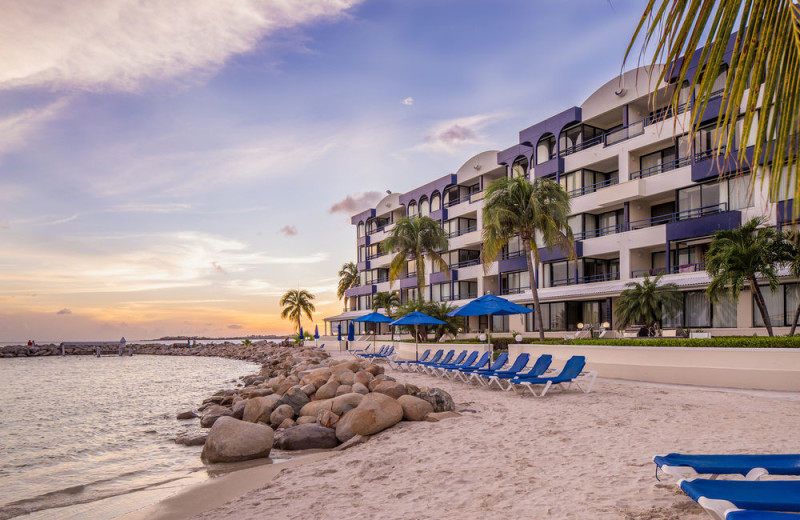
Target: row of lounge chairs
[
  {"x": 514, "y": 377},
  {"x": 749, "y": 499},
  {"x": 385, "y": 352}
]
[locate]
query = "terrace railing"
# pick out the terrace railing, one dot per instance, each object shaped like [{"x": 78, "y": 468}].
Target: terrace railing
[
  {"x": 514, "y": 290},
  {"x": 603, "y": 277},
  {"x": 460, "y": 232},
  {"x": 599, "y": 232},
  {"x": 465, "y": 263},
  {"x": 680, "y": 215},
  {"x": 661, "y": 168},
  {"x": 594, "y": 187}
]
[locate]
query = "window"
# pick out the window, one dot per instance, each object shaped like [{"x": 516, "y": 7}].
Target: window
[
  {"x": 365, "y": 302},
  {"x": 520, "y": 167},
  {"x": 412, "y": 208},
  {"x": 775, "y": 307},
  {"x": 792, "y": 301},
  {"x": 440, "y": 292},
  {"x": 411, "y": 268},
  {"x": 361, "y": 229},
  {"x": 465, "y": 290},
  {"x": 740, "y": 192},
  {"x": 362, "y": 256},
  {"x": 576, "y": 137},
  {"x": 459, "y": 226},
  {"x": 515, "y": 282},
  {"x": 662, "y": 160},
  {"x": 546, "y": 149},
  {"x": 424, "y": 207},
  {"x": 719, "y": 81},
  {"x": 723, "y": 313},
  {"x": 513, "y": 249},
  {"x": 787, "y": 188},
  {"x": 698, "y": 200},
  {"x": 706, "y": 139},
  {"x": 436, "y": 201},
  {"x": 685, "y": 94},
  {"x": 571, "y": 182},
  {"x": 500, "y": 324},
  {"x": 698, "y": 309}
]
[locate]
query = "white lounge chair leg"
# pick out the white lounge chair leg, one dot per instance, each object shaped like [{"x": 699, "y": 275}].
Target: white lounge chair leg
[
  {"x": 547, "y": 386},
  {"x": 756, "y": 474}
]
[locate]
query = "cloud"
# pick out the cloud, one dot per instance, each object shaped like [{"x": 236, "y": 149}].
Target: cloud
[
  {"x": 125, "y": 44},
  {"x": 408, "y": 101},
  {"x": 218, "y": 268},
  {"x": 18, "y": 129},
  {"x": 289, "y": 231},
  {"x": 453, "y": 134},
  {"x": 355, "y": 203},
  {"x": 456, "y": 133},
  {"x": 235, "y": 327},
  {"x": 64, "y": 311}
]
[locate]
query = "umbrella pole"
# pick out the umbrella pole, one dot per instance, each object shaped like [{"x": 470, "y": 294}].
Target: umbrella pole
[{"x": 416, "y": 342}]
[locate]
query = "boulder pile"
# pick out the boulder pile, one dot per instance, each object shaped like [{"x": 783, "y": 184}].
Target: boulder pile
[{"x": 303, "y": 399}]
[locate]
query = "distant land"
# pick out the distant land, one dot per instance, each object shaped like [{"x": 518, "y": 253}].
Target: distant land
[{"x": 205, "y": 338}]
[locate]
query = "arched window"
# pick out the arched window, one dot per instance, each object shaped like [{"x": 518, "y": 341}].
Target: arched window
[
  {"x": 412, "y": 208},
  {"x": 546, "y": 148},
  {"x": 520, "y": 167},
  {"x": 361, "y": 229},
  {"x": 424, "y": 207},
  {"x": 436, "y": 201}
]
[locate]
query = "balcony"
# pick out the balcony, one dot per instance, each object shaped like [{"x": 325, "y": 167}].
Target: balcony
[
  {"x": 514, "y": 290},
  {"x": 569, "y": 150},
  {"x": 599, "y": 232},
  {"x": 465, "y": 263},
  {"x": 460, "y": 232},
  {"x": 594, "y": 187},
  {"x": 377, "y": 255},
  {"x": 687, "y": 268},
  {"x": 456, "y": 297},
  {"x": 626, "y": 132},
  {"x": 661, "y": 168},
  {"x": 603, "y": 277},
  {"x": 641, "y": 273},
  {"x": 680, "y": 215}
]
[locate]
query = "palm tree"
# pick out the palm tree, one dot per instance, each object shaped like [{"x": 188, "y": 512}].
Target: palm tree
[
  {"x": 535, "y": 212},
  {"x": 348, "y": 277},
  {"x": 766, "y": 50},
  {"x": 793, "y": 241},
  {"x": 741, "y": 256},
  {"x": 297, "y": 302},
  {"x": 646, "y": 302},
  {"x": 386, "y": 300},
  {"x": 414, "y": 238},
  {"x": 436, "y": 310}
]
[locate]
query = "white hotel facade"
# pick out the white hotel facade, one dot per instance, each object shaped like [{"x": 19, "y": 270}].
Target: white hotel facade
[{"x": 644, "y": 201}]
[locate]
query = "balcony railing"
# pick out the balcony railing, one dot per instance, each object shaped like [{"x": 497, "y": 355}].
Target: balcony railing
[
  {"x": 465, "y": 263},
  {"x": 588, "y": 143},
  {"x": 453, "y": 202},
  {"x": 376, "y": 255},
  {"x": 594, "y": 187},
  {"x": 688, "y": 268},
  {"x": 681, "y": 215},
  {"x": 603, "y": 277},
  {"x": 666, "y": 112},
  {"x": 460, "y": 232},
  {"x": 454, "y": 297},
  {"x": 661, "y": 168},
  {"x": 512, "y": 254},
  {"x": 626, "y": 132},
  {"x": 514, "y": 290},
  {"x": 599, "y": 232},
  {"x": 641, "y": 273}
]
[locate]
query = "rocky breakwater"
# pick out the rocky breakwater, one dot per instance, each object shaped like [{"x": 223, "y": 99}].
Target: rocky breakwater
[{"x": 303, "y": 399}]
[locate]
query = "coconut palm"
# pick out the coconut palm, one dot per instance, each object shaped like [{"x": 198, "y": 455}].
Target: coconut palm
[
  {"x": 739, "y": 257},
  {"x": 536, "y": 212},
  {"x": 296, "y": 302},
  {"x": 646, "y": 302},
  {"x": 416, "y": 238},
  {"x": 387, "y": 301},
  {"x": 793, "y": 241},
  {"x": 348, "y": 277},
  {"x": 436, "y": 310},
  {"x": 766, "y": 50}
]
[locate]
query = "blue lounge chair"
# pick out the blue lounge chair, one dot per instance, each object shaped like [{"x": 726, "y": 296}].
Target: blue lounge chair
[
  {"x": 468, "y": 373},
  {"x": 428, "y": 369},
  {"x": 572, "y": 370},
  {"x": 414, "y": 366},
  {"x": 447, "y": 358},
  {"x": 454, "y": 372},
  {"x": 741, "y": 514},
  {"x": 386, "y": 354},
  {"x": 365, "y": 355},
  {"x": 539, "y": 368},
  {"x": 751, "y": 467},
  {"x": 521, "y": 361},
  {"x": 356, "y": 353},
  {"x": 441, "y": 370},
  {"x": 403, "y": 365},
  {"x": 720, "y": 498}
]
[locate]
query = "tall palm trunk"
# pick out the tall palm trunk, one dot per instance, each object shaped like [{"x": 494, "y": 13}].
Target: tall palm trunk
[
  {"x": 794, "y": 321},
  {"x": 420, "y": 279},
  {"x": 532, "y": 268},
  {"x": 762, "y": 306}
]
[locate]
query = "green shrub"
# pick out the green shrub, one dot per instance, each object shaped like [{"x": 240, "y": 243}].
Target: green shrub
[{"x": 718, "y": 342}]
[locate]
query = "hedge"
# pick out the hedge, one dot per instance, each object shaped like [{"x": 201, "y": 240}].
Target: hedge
[{"x": 718, "y": 342}]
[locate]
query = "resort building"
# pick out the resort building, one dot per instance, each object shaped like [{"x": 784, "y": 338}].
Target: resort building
[{"x": 644, "y": 201}]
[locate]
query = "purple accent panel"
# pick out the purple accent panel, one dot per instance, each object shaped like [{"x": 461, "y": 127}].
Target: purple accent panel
[
  {"x": 552, "y": 125},
  {"x": 454, "y": 275},
  {"x": 512, "y": 264},
  {"x": 360, "y": 291},
  {"x": 557, "y": 254},
  {"x": 405, "y": 283},
  {"x": 363, "y": 216},
  {"x": 672, "y": 74},
  {"x": 713, "y": 109},
  {"x": 549, "y": 168},
  {"x": 709, "y": 168},
  {"x": 440, "y": 277},
  {"x": 440, "y": 214},
  {"x": 508, "y": 155},
  {"x": 362, "y": 266},
  {"x": 784, "y": 211},
  {"x": 702, "y": 226},
  {"x": 438, "y": 185}
]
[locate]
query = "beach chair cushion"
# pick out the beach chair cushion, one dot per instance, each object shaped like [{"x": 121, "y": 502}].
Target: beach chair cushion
[
  {"x": 760, "y": 495},
  {"x": 774, "y": 464}
]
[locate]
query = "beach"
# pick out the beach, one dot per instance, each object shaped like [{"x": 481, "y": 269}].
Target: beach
[{"x": 567, "y": 455}]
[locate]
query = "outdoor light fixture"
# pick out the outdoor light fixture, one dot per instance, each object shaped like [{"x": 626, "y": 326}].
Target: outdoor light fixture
[
  {"x": 606, "y": 325},
  {"x": 580, "y": 325},
  {"x": 518, "y": 338},
  {"x": 482, "y": 337}
]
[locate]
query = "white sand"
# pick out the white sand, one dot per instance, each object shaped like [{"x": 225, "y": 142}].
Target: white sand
[{"x": 567, "y": 455}]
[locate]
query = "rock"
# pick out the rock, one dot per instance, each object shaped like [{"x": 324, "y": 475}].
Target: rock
[
  {"x": 345, "y": 377},
  {"x": 358, "y": 388},
  {"x": 232, "y": 440},
  {"x": 326, "y": 391},
  {"x": 327, "y": 419},
  {"x": 306, "y": 419},
  {"x": 287, "y": 423},
  {"x": 280, "y": 414},
  {"x": 375, "y": 413},
  {"x": 343, "y": 431},
  {"x": 188, "y": 414},
  {"x": 191, "y": 438},
  {"x": 306, "y": 437},
  {"x": 354, "y": 441},
  {"x": 438, "y": 416},
  {"x": 258, "y": 409},
  {"x": 212, "y": 413},
  {"x": 439, "y": 399},
  {"x": 336, "y": 405},
  {"x": 295, "y": 398},
  {"x": 309, "y": 389},
  {"x": 391, "y": 388},
  {"x": 286, "y": 385},
  {"x": 378, "y": 380},
  {"x": 349, "y": 364},
  {"x": 344, "y": 389},
  {"x": 238, "y": 408},
  {"x": 414, "y": 408},
  {"x": 363, "y": 377},
  {"x": 374, "y": 369},
  {"x": 412, "y": 389}
]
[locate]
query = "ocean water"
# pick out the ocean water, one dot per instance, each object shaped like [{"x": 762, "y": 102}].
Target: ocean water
[{"x": 92, "y": 438}]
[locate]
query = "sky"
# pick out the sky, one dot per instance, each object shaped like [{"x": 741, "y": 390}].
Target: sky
[{"x": 172, "y": 167}]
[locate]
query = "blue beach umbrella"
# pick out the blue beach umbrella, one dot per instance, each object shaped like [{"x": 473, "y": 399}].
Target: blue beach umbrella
[
  {"x": 374, "y": 317},
  {"x": 316, "y": 331},
  {"x": 339, "y": 331},
  {"x": 489, "y": 305},
  {"x": 416, "y": 319},
  {"x": 351, "y": 332},
  {"x": 300, "y": 334}
]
